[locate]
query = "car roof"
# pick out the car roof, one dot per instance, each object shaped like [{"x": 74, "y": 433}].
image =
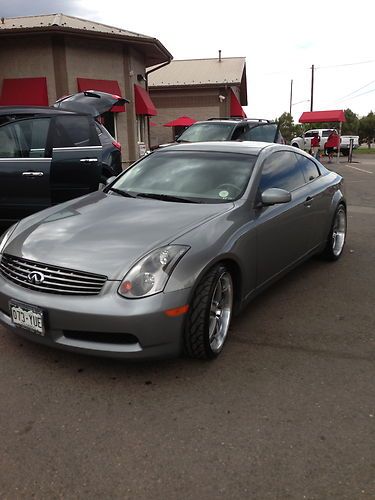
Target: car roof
[
  {"x": 235, "y": 121},
  {"x": 35, "y": 110},
  {"x": 245, "y": 147}
]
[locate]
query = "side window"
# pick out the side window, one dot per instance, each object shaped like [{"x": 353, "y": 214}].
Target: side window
[
  {"x": 308, "y": 167},
  {"x": 265, "y": 133},
  {"x": 8, "y": 145},
  {"x": 74, "y": 131},
  {"x": 239, "y": 133},
  {"x": 309, "y": 134},
  {"x": 24, "y": 138},
  {"x": 326, "y": 133},
  {"x": 281, "y": 170}
]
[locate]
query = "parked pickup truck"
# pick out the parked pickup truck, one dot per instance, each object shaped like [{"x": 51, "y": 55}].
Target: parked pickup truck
[{"x": 304, "y": 142}]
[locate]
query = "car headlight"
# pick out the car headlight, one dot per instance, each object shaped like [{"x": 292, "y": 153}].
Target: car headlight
[
  {"x": 150, "y": 275},
  {"x": 5, "y": 237}
]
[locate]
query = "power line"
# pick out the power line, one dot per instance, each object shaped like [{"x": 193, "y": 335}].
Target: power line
[
  {"x": 319, "y": 67},
  {"x": 345, "y": 64},
  {"x": 363, "y": 93},
  {"x": 355, "y": 91}
]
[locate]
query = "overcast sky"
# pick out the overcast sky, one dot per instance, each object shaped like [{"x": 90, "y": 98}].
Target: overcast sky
[{"x": 280, "y": 40}]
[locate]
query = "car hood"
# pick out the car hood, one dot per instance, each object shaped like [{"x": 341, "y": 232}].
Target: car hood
[
  {"x": 105, "y": 233},
  {"x": 91, "y": 102}
]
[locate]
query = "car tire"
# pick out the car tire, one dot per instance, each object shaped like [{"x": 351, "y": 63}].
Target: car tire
[
  {"x": 209, "y": 316},
  {"x": 337, "y": 235}
]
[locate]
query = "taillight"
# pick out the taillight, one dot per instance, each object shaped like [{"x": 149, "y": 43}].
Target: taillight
[{"x": 117, "y": 145}]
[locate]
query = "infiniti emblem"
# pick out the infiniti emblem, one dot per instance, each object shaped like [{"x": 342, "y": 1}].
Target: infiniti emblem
[{"x": 35, "y": 277}]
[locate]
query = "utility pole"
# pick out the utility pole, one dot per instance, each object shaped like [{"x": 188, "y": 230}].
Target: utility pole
[
  {"x": 312, "y": 89},
  {"x": 291, "y": 96}
]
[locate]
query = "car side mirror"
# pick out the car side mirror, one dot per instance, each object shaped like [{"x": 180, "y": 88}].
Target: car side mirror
[
  {"x": 110, "y": 179},
  {"x": 273, "y": 196}
]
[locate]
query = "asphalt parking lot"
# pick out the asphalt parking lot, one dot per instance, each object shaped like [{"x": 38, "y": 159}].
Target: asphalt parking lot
[{"x": 287, "y": 411}]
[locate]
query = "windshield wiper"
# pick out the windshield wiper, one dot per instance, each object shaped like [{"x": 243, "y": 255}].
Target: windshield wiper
[
  {"x": 166, "y": 197},
  {"x": 123, "y": 193}
]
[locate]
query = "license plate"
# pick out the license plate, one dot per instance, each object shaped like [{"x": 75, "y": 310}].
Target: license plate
[{"x": 28, "y": 317}]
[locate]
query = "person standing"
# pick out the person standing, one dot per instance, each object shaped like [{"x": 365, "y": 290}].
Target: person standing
[
  {"x": 332, "y": 143},
  {"x": 315, "y": 142}
]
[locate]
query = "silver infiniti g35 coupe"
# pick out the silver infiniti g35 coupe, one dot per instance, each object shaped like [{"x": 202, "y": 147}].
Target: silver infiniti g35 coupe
[{"x": 156, "y": 263}]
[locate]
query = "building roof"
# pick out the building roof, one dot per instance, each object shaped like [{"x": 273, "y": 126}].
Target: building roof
[
  {"x": 155, "y": 52},
  {"x": 190, "y": 72}
]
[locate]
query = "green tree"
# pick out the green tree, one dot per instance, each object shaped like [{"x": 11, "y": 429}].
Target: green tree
[
  {"x": 350, "y": 127},
  {"x": 288, "y": 128},
  {"x": 367, "y": 128}
]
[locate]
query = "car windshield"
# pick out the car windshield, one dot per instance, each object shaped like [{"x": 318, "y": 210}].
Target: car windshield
[
  {"x": 201, "y": 132},
  {"x": 188, "y": 176}
]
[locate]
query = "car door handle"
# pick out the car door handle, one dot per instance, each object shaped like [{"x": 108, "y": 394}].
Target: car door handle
[
  {"x": 308, "y": 201},
  {"x": 33, "y": 174},
  {"x": 88, "y": 160}
]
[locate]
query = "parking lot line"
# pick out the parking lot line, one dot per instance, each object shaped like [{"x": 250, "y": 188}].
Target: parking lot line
[{"x": 360, "y": 169}]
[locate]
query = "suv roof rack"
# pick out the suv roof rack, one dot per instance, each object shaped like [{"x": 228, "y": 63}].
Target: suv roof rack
[
  {"x": 225, "y": 118},
  {"x": 240, "y": 118}
]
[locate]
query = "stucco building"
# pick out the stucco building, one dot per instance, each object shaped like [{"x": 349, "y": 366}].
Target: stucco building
[
  {"x": 46, "y": 57},
  {"x": 197, "y": 88}
]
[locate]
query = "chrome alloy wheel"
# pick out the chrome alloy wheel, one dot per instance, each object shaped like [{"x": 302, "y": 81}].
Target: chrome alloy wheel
[
  {"x": 339, "y": 231},
  {"x": 220, "y": 311}
]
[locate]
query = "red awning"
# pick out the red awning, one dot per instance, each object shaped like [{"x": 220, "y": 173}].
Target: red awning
[
  {"x": 24, "y": 92},
  {"x": 182, "y": 121},
  {"x": 143, "y": 102},
  {"x": 235, "y": 106},
  {"x": 110, "y": 86},
  {"x": 335, "y": 115},
  {"x": 153, "y": 124}
]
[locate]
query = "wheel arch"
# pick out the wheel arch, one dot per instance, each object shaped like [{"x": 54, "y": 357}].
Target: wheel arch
[{"x": 235, "y": 270}]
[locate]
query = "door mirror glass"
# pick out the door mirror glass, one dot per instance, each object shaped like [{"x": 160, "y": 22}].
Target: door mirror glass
[
  {"x": 110, "y": 180},
  {"x": 272, "y": 196}
]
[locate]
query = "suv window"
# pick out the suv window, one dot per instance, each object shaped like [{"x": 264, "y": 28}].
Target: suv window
[
  {"x": 239, "y": 132},
  {"x": 73, "y": 132},
  {"x": 326, "y": 133},
  {"x": 281, "y": 170},
  {"x": 210, "y": 131},
  {"x": 24, "y": 138},
  {"x": 308, "y": 167},
  {"x": 262, "y": 132}
]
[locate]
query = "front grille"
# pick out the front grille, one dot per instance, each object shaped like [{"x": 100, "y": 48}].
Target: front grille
[{"x": 50, "y": 279}]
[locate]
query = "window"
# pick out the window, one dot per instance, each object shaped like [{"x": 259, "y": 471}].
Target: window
[
  {"x": 262, "y": 132},
  {"x": 239, "y": 132},
  {"x": 73, "y": 132},
  {"x": 308, "y": 167},
  {"x": 211, "y": 131},
  {"x": 310, "y": 133},
  {"x": 24, "y": 138},
  {"x": 209, "y": 177},
  {"x": 326, "y": 133},
  {"x": 281, "y": 170},
  {"x": 141, "y": 128}
]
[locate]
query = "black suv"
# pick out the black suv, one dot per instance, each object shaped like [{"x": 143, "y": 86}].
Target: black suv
[
  {"x": 232, "y": 129},
  {"x": 52, "y": 154}
]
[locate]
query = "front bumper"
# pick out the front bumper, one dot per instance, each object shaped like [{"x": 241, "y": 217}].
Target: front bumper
[{"x": 89, "y": 324}]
